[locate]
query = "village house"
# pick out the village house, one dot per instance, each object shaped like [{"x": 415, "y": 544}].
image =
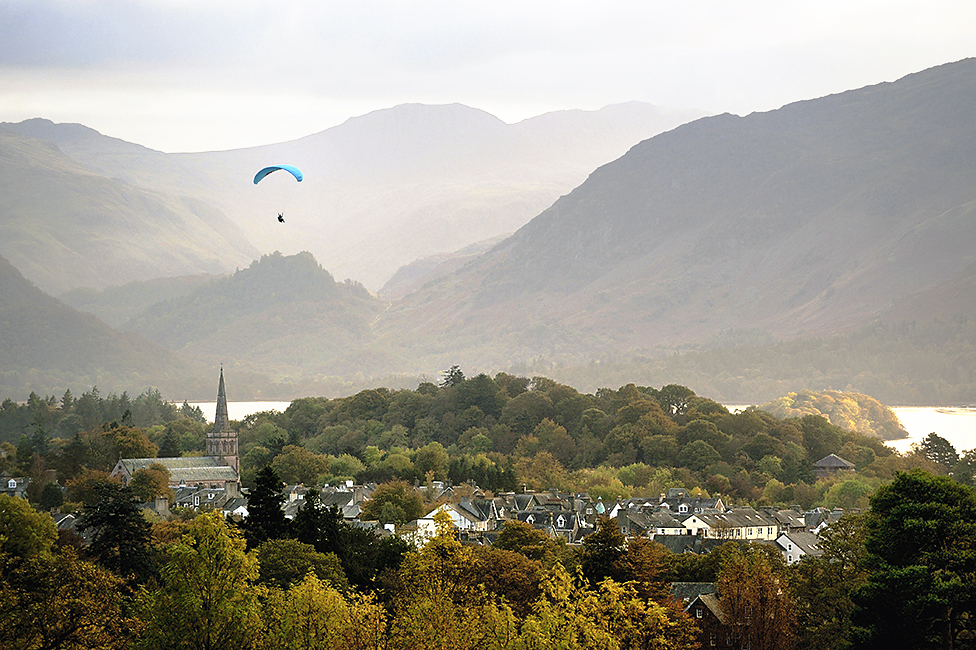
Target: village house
[
  {"x": 831, "y": 465},
  {"x": 798, "y": 545},
  {"x": 742, "y": 524}
]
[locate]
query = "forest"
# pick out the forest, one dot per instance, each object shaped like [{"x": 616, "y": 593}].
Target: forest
[{"x": 128, "y": 579}]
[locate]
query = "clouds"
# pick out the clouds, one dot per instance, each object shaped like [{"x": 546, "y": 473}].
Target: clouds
[{"x": 178, "y": 74}]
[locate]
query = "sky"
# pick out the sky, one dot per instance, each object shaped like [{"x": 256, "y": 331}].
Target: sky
[{"x": 187, "y": 75}]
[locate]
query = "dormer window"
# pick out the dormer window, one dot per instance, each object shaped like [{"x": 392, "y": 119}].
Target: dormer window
[
  {"x": 12, "y": 484},
  {"x": 530, "y": 519},
  {"x": 683, "y": 508}
]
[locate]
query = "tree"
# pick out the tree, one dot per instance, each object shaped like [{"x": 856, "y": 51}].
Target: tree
[
  {"x": 265, "y": 519},
  {"x": 432, "y": 458},
  {"x": 314, "y": 615},
  {"x": 394, "y": 502},
  {"x": 756, "y": 601},
  {"x": 521, "y": 537},
  {"x": 602, "y": 551},
  {"x": 120, "y": 537},
  {"x": 938, "y": 450},
  {"x": 51, "y": 497},
  {"x": 921, "y": 533},
  {"x": 295, "y": 464},
  {"x": 824, "y": 586},
  {"x": 452, "y": 377},
  {"x": 284, "y": 562},
  {"x": 51, "y": 599},
  {"x": 149, "y": 482},
  {"x": 206, "y": 599}
]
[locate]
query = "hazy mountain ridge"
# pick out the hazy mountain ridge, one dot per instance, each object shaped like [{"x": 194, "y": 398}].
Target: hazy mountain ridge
[
  {"x": 383, "y": 189},
  {"x": 46, "y": 345},
  {"x": 809, "y": 220},
  {"x": 284, "y": 316},
  {"x": 64, "y": 225}
]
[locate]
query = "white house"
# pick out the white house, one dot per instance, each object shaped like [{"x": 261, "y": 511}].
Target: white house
[{"x": 798, "y": 545}]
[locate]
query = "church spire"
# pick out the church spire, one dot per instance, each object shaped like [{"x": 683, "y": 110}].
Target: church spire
[{"x": 221, "y": 421}]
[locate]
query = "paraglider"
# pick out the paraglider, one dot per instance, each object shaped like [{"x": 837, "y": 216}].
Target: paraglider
[{"x": 291, "y": 169}]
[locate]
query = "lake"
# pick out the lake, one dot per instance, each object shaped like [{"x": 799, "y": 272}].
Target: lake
[{"x": 957, "y": 425}]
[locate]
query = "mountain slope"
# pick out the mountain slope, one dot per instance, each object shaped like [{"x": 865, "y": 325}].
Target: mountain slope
[
  {"x": 46, "y": 346},
  {"x": 808, "y": 220},
  {"x": 283, "y": 316},
  {"x": 386, "y": 188},
  {"x": 63, "y": 225}
]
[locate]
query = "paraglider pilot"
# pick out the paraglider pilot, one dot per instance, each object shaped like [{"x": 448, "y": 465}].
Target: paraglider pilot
[{"x": 281, "y": 217}]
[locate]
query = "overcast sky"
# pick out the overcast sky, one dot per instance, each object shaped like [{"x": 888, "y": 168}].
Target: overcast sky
[{"x": 193, "y": 75}]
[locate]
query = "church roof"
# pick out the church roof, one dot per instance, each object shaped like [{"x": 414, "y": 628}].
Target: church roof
[{"x": 191, "y": 469}]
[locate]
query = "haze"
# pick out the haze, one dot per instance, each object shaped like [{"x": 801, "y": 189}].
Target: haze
[{"x": 187, "y": 76}]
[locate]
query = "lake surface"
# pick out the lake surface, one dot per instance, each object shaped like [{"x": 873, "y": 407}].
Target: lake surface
[
  {"x": 957, "y": 425},
  {"x": 238, "y": 410}
]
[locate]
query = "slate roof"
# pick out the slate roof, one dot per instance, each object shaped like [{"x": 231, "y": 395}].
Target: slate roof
[
  {"x": 711, "y": 601},
  {"x": 688, "y": 591},
  {"x": 189, "y": 469},
  {"x": 833, "y": 461},
  {"x": 805, "y": 542}
]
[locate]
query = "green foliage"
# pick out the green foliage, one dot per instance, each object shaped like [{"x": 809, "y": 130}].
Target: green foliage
[
  {"x": 921, "y": 536},
  {"x": 284, "y": 562},
  {"x": 265, "y": 520},
  {"x": 395, "y": 502},
  {"x": 206, "y": 596},
  {"x": 119, "y": 535}
]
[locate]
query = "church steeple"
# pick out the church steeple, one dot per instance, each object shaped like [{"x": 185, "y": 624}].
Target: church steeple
[
  {"x": 221, "y": 421},
  {"x": 222, "y": 441}
]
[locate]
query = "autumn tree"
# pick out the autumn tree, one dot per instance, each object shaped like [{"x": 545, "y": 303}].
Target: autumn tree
[
  {"x": 49, "y": 598},
  {"x": 394, "y": 502},
  {"x": 206, "y": 598},
  {"x": 756, "y": 601},
  {"x": 147, "y": 483},
  {"x": 314, "y": 615},
  {"x": 521, "y": 537}
]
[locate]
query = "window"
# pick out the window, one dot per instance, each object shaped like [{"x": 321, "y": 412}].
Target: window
[
  {"x": 698, "y": 612},
  {"x": 12, "y": 484}
]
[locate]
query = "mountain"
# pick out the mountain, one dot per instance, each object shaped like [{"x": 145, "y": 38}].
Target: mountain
[
  {"x": 283, "y": 316},
  {"x": 411, "y": 277},
  {"x": 117, "y": 304},
  {"x": 380, "y": 190},
  {"x": 46, "y": 345},
  {"x": 64, "y": 225},
  {"x": 810, "y": 220}
]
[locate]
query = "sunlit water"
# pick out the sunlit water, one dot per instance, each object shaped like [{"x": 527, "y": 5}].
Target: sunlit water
[
  {"x": 957, "y": 425},
  {"x": 239, "y": 410}
]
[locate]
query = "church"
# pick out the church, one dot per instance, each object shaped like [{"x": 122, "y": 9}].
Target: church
[{"x": 219, "y": 469}]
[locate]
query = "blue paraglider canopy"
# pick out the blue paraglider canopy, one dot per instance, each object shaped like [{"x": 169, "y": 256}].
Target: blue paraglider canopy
[{"x": 291, "y": 169}]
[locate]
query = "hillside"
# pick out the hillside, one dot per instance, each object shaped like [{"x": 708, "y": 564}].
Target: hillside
[
  {"x": 64, "y": 225},
  {"x": 47, "y": 346},
  {"x": 810, "y": 220},
  {"x": 383, "y": 189},
  {"x": 283, "y": 316}
]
